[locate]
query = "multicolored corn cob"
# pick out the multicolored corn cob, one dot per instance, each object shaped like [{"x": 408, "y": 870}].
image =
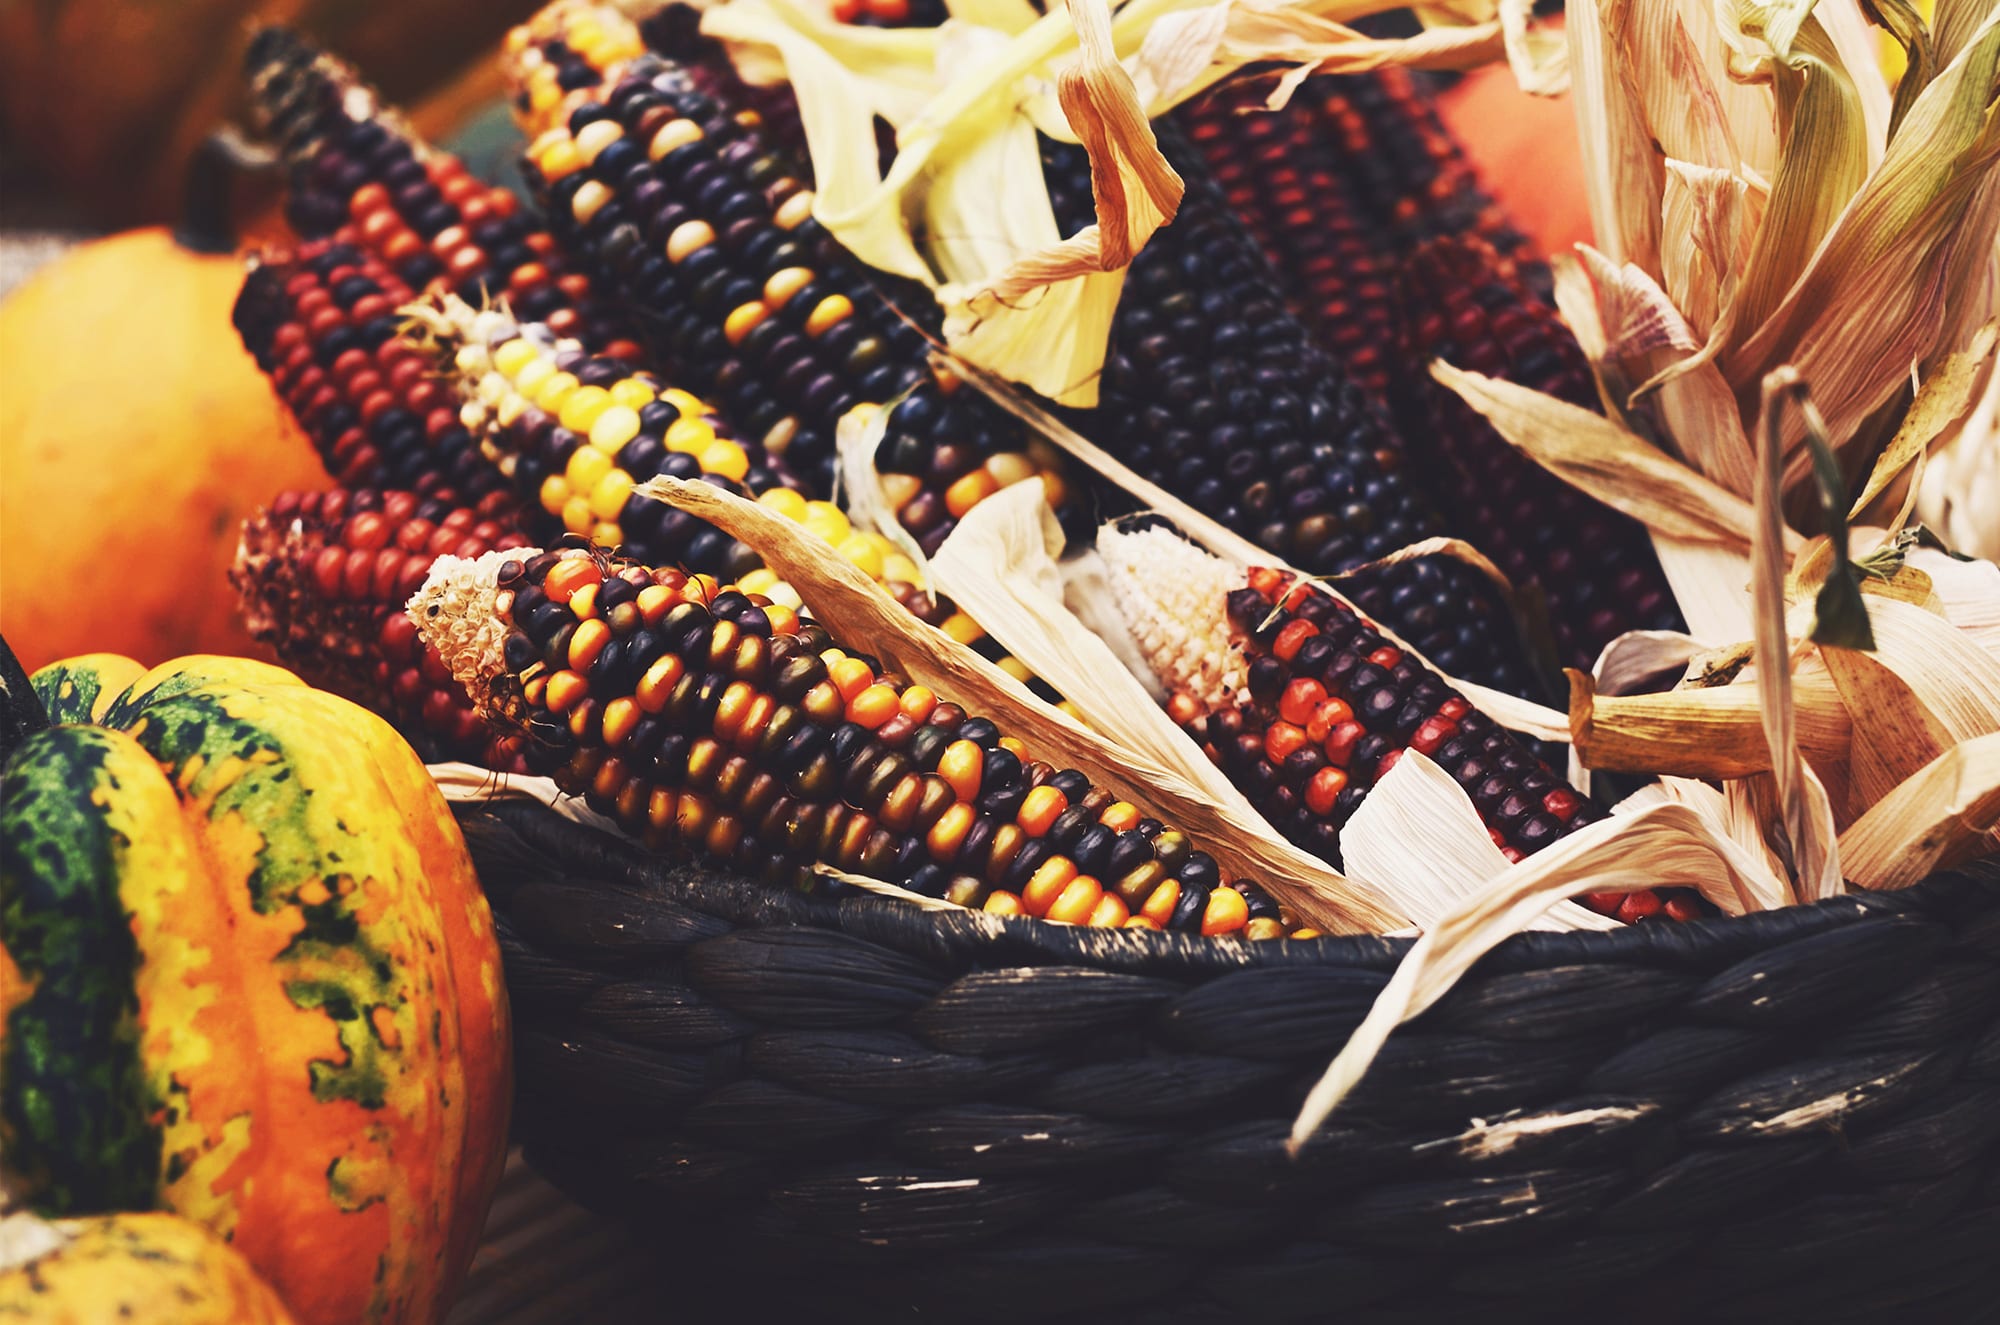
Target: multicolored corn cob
[
  {"x": 1403, "y": 169},
  {"x": 1213, "y": 390},
  {"x": 722, "y": 723},
  {"x": 322, "y": 577},
  {"x": 1288, "y": 185},
  {"x": 681, "y": 204},
  {"x": 1594, "y": 565},
  {"x": 358, "y": 173},
  {"x": 575, "y": 434},
  {"x": 1305, "y": 705},
  {"x": 323, "y": 325}
]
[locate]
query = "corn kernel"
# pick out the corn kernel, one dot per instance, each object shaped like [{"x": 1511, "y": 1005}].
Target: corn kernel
[
  {"x": 1010, "y": 467},
  {"x": 606, "y": 533},
  {"x": 555, "y": 391},
  {"x": 1077, "y": 902},
  {"x": 672, "y": 135},
  {"x": 561, "y": 159},
  {"x": 515, "y": 355},
  {"x": 589, "y": 200},
  {"x": 829, "y": 313},
  {"x": 555, "y": 494},
  {"x": 614, "y": 426},
  {"x": 688, "y": 433},
  {"x": 785, "y": 283},
  {"x": 634, "y": 393},
  {"x": 1047, "y": 883},
  {"x": 688, "y": 237},
  {"x": 608, "y": 498},
  {"x": 742, "y": 320},
  {"x": 724, "y": 457},
  {"x": 582, "y": 406},
  {"x": 866, "y": 558},
  {"x": 788, "y": 502},
  {"x": 969, "y": 491},
  {"x": 690, "y": 405},
  {"x": 794, "y": 211},
  {"x": 534, "y": 375},
  {"x": 962, "y": 628},
  {"x": 587, "y": 465},
  {"x": 758, "y": 581},
  {"x": 595, "y": 136},
  {"x": 828, "y": 521},
  {"x": 577, "y": 517}
]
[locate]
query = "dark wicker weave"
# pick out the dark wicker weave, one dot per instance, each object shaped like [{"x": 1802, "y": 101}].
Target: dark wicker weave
[{"x": 870, "y": 1112}]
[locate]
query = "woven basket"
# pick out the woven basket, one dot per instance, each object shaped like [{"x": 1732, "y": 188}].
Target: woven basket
[{"x": 858, "y": 1107}]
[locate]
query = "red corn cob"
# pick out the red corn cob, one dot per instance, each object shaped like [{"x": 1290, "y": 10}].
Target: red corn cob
[
  {"x": 322, "y": 324},
  {"x": 322, "y": 578},
  {"x": 1594, "y": 565}
]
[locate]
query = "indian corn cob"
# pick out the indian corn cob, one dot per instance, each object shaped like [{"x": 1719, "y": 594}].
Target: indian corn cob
[
  {"x": 707, "y": 231},
  {"x": 575, "y": 435},
  {"x": 724, "y": 723},
  {"x": 1305, "y": 705},
  {"x": 1594, "y": 565},
  {"x": 1213, "y": 390},
  {"x": 1290, "y": 188},
  {"x": 322, "y": 323},
  {"x": 360, "y": 174},
  {"x": 321, "y": 578}
]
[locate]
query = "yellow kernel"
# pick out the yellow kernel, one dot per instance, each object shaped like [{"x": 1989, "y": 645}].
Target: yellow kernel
[
  {"x": 657, "y": 685},
  {"x": 595, "y": 136},
  {"x": 783, "y": 595},
  {"x": 1047, "y": 883},
  {"x": 780, "y": 435},
  {"x": 614, "y": 426},
  {"x": 1013, "y": 746},
  {"x": 576, "y": 515},
  {"x": 788, "y": 502},
  {"x": 562, "y": 159},
  {"x": 786, "y": 283},
  {"x": 608, "y": 498},
  {"x": 583, "y": 600},
  {"x": 654, "y": 602},
  {"x": 582, "y": 407},
  {"x": 962, "y": 628},
  {"x": 688, "y": 237},
  {"x": 470, "y": 359},
  {"x": 555, "y": 493},
  {"x": 606, "y": 533},
  {"x": 899, "y": 569},
  {"x": 589, "y": 200},
  {"x": 1110, "y": 912},
  {"x": 690, "y": 405},
  {"x": 850, "y": 676},
  {"x": 742, "y": 320},
  {"x": 828, "y": 521},
  {"x": 586, "y": 466},
  {"x": 555, "y": 391},
  {"x": 621, "y": 715},
  {"x": 857, "y": 549},
  {"x": 829, "y": 313},
  {"x": 1011, "y": 467},
  {"x": 515, "y": 355},
  {"x": 1054, "y": 490},
  {"x": 1003, "y": 903},
  {"x": 1039, "y": 809},
  {"x": 899, "y": 490},
  {"x": 673, "y": 134},
  {"x": 724, "y": 457},
  {"x": 758, "y": 581},
  {"x": 534, "y": 375},
  {"x": 635, "y": 393},
  {"x": 688, "y": 433},
  {"x": 794, "y": 211},
  {"x": 1017, "y": 669}
]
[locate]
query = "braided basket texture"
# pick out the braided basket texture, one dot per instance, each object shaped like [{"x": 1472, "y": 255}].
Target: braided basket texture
[{"x": 865, "y": 1109}]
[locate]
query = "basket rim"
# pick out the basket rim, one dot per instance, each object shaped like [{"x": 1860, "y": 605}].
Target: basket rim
[{"x": 977, "y": 938}]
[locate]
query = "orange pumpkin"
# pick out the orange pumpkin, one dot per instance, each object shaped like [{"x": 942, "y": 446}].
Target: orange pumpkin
[{"x": 136, "y": 434}]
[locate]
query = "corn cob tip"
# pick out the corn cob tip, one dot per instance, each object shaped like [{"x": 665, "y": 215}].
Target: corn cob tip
[
  {"x": 1171, "y": 595},
  {"x": 459, "y": 612}
]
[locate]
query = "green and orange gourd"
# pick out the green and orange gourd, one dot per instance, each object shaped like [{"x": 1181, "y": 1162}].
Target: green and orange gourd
[{"x": 247, "y": 976}]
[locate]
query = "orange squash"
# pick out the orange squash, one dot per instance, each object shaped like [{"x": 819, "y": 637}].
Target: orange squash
[
  {"x": 247, "y": 975},
  {"x": 143, "y": 1269},
  {"x": 136, "y": 434}
]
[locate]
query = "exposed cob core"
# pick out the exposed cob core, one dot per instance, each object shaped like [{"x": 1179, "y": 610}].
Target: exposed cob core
[
  {"x": 1305, "y": 705},
  {"x": 721, "y": 722},
  {"x": 322, "y": 325},
  {"x": 706, "y": 230},
  {"x": 1595, "y": 566},
  {"x": 359, "y": 173},
  {"x": 321, "y": 578}
]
